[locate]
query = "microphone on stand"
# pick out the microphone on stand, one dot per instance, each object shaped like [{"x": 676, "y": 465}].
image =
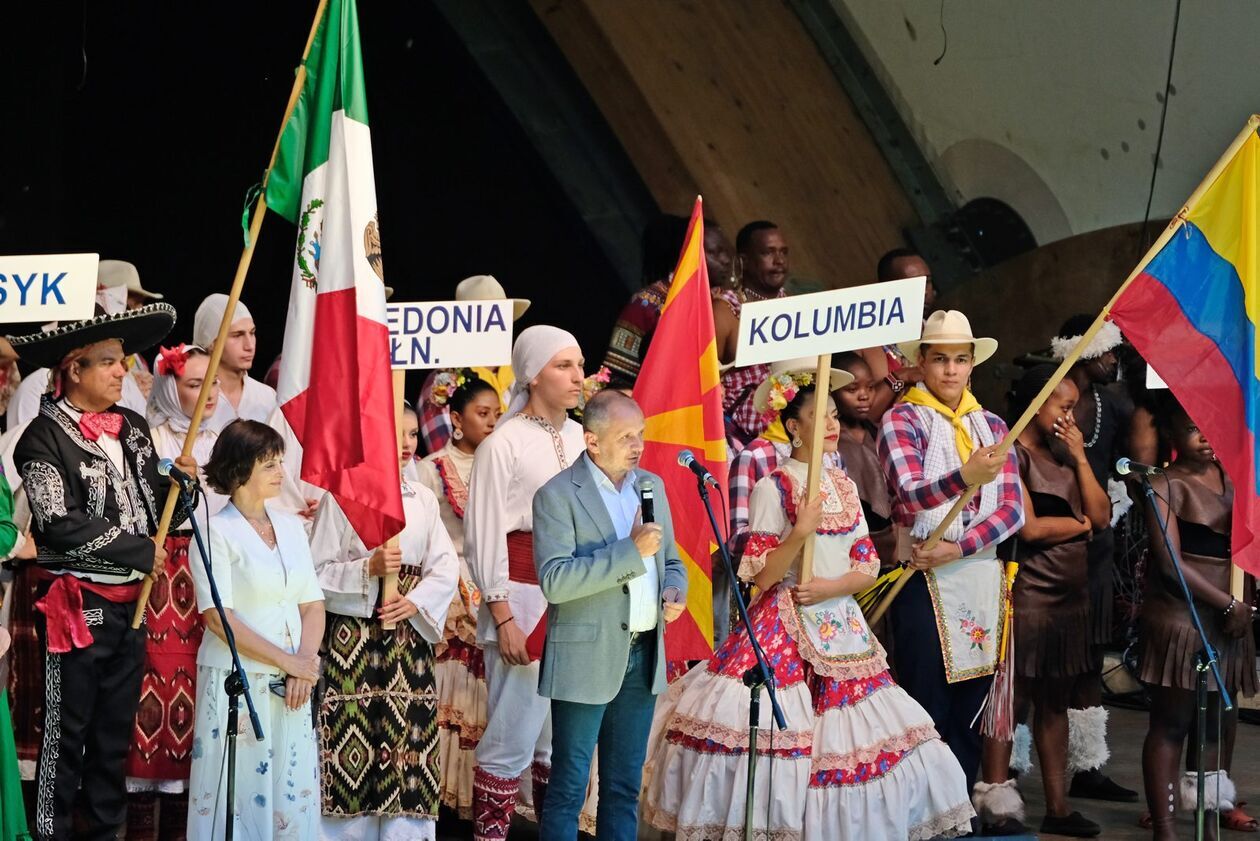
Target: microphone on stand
[
  {"x": 687, "y": 459},
  {"x": 647, "y": 498},
  {"x": 166, "y": 467},
  {"x": 1124, "y": 467}
]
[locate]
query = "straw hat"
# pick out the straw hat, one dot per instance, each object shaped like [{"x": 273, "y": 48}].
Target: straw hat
[
  {"x": 112, "y": 273},
  {"x": 483, "y": 287},
  {"x": 949, "y": 327},
  {"x": 807, "y": 365}
]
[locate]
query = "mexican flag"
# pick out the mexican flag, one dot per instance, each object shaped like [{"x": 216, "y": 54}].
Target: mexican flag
[{"x": 335, "y": 387}]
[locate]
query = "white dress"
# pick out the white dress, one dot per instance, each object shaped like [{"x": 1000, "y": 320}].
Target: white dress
[
  {"x": 460, "y": 667},
  {"x": 860, "y": 759},
  {"x": 277, "y": 778}
]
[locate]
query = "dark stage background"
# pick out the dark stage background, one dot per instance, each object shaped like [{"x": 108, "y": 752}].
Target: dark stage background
[{"x": 144, "y": 151}]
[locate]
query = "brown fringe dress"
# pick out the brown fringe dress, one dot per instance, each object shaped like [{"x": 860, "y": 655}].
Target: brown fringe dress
[
  {"x": 1170, "y": 644},
  {"x": 1051, "y": 591},
  {"x": 861, "y": 462}
]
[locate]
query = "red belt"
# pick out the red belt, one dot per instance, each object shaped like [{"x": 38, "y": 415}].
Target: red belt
[
  {"x": 63, "y": 607},
  {"x": 520, "y": 551},
  {"x": 521, "y": 569}
]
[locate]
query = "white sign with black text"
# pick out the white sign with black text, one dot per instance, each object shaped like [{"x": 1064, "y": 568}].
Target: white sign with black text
[
  {"x": 47, "y": 287},
  {"x": 449, "y": 334},
  {"x": 829, "y": 322}
]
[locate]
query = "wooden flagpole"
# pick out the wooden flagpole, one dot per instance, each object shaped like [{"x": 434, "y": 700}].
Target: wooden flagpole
[
  {"x": 822, "y": 389},
  {"x": 1173, "y": 226},
  {"x": 238, "y": 282},
  {"x": 390, "y": 581}
]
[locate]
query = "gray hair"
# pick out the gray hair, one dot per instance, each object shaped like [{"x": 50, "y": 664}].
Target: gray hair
[{"x": 601, "y": 409}]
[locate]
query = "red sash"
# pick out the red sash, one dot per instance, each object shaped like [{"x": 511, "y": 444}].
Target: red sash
[
  {"x": 521, "y": 569},
  {"x": 63, "y": 606}
]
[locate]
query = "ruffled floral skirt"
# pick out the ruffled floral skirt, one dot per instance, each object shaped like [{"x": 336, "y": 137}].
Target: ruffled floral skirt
[{"x": 859, "y": 759}]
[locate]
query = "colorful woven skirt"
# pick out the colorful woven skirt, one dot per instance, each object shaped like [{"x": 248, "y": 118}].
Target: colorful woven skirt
[{"x": 378, "y": 720}]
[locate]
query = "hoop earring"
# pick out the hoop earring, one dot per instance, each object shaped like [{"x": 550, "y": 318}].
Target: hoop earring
[
  {"x": 457, "y": 433},
  {"x": 797, "y": 442}
]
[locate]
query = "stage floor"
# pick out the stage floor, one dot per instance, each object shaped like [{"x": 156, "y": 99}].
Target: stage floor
[{"x": 1119, "y": 820}]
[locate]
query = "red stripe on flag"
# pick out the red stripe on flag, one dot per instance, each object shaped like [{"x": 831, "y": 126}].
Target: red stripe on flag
[
  {"x": 1204, "y": 383},
  {"x": 345, "y": 418},
  {"x": 679, "y": 393}
]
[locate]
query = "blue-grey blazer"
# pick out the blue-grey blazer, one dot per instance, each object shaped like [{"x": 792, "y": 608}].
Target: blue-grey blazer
[{"x": 584, "y": 570}]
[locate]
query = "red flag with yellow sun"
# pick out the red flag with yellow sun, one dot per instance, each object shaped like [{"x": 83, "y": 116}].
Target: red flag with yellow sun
[{"x": 679, "y": 393}]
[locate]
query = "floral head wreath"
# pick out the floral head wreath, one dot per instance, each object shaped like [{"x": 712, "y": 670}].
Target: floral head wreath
[
  {"x": 591, "y": 386},
  {"x": 171, "y": 360},
  {"x": 784, "y": 388},
  {"x": 447, "y": 382}
]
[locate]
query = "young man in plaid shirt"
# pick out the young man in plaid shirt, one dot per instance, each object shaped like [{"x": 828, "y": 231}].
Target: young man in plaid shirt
[{"x": 934, "y": 444}]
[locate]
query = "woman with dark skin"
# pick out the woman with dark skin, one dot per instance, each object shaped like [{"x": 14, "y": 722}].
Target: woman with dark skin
[
  {"x": 1193, "y": 499},
  {"x": 1063, "y": 507}
]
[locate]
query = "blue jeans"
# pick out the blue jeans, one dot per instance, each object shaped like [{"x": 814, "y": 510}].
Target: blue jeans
[{"x": 620, "y": 728}]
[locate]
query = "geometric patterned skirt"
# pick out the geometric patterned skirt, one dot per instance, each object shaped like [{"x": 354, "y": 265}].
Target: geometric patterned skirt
[
  {"x": 378, "y": 720},
  {"x": 161, "y": 749}
]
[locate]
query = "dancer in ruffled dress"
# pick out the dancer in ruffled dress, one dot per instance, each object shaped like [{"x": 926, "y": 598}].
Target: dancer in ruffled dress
[{"x": 860, "y": 759}]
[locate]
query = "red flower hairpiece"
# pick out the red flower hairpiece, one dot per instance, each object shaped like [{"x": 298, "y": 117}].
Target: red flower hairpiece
[{"x": 171, "y": 360}]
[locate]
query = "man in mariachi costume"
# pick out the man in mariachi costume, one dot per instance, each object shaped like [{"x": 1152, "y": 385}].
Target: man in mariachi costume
[
  {"x": 95, "y": 495},
  {"x": 933, "y": 445}
]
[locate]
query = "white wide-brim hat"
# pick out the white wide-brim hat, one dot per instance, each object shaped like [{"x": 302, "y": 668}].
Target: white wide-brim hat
[
  {"x": 950, "y": 327},
  {"x": 483, "y": 287},
  {"x": 113, "y": 273},
  {"x": 805, "y": 365}
]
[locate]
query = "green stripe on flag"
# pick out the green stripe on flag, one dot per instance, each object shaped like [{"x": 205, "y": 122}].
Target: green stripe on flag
[{"x": 334, "y": 82}]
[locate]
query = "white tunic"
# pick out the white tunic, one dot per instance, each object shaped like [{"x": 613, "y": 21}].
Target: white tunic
[
  {"x": 170, "y": 444},
  {"x": 510, "y": 466},
  {"x": 341, "y": 561},
  {"x": 258, "y": 401}
]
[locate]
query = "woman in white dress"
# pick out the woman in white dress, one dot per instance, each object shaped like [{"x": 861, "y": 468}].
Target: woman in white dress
[
  {"x": 461, "y": 676},
  {"x": 379, "y": 764},
  {"x": 860, "y": 759},
  {"x": 266, "y": 578}
]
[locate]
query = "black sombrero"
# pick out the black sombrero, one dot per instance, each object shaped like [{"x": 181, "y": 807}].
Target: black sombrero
[{"x": 138, "y": 330}]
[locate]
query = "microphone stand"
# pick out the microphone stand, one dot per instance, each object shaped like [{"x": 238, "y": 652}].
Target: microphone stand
[
  {"x": 237, "y": 683},
  {"x": 1206, "y": 662},
  {"x": 757, "y": 676}
]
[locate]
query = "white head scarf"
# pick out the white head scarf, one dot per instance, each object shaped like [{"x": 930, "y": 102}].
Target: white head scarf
[
  {"x": 164, "y": 406},
  {"x": 210, "y": 315},
  {"x": 534, "y": 348}
]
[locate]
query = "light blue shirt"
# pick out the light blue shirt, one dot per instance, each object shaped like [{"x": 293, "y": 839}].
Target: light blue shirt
[{"x": 623, "y": 506}]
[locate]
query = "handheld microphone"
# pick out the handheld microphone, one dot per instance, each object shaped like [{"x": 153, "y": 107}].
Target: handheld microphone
[
  {"x": 687, "y": 459},
  {"x": 166, "y": 467},
  {"x": 647, "y": 498},
  {"x": 1124, "y": 467}
]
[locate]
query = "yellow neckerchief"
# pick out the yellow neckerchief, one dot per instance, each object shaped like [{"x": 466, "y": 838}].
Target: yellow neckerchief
[
  {"x": 500, "y": 378},
  {"x": 775, "y": 433},
  {"x": 920, "y": 396}
]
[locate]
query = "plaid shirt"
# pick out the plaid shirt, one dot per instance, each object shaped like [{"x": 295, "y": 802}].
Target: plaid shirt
[
  {"x": 902, "y": 444},
  {"x": 754, "y": 462},
  {"x": 435, "y": 421},
  {"x": 743, "y": 422}
]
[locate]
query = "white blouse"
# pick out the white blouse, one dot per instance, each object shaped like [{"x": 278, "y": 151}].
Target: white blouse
[
  {"x": 341, "y": 562},
  {"x": 263, "y": 587}
]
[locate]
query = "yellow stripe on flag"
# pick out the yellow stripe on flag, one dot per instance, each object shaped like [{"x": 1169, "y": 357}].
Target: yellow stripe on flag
[
  {"x": 1228, "y": 217},
  {"x": 699, "y": 594}
]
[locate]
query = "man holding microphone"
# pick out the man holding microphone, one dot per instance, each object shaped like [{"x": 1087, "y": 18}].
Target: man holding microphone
[{"x": 609, "y": 568}]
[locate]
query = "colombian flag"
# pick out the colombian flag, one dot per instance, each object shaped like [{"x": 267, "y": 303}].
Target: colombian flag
[
  {"x": 1192, "y": 312},
  {"x": 679, "y": 394}
]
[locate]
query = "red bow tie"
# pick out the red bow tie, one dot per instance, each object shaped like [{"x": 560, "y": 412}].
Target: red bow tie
[{"x": 94, "y": 424}]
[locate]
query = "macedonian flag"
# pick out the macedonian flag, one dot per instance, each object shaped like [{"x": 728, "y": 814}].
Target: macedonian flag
[{"x": 678, "y": 391}]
